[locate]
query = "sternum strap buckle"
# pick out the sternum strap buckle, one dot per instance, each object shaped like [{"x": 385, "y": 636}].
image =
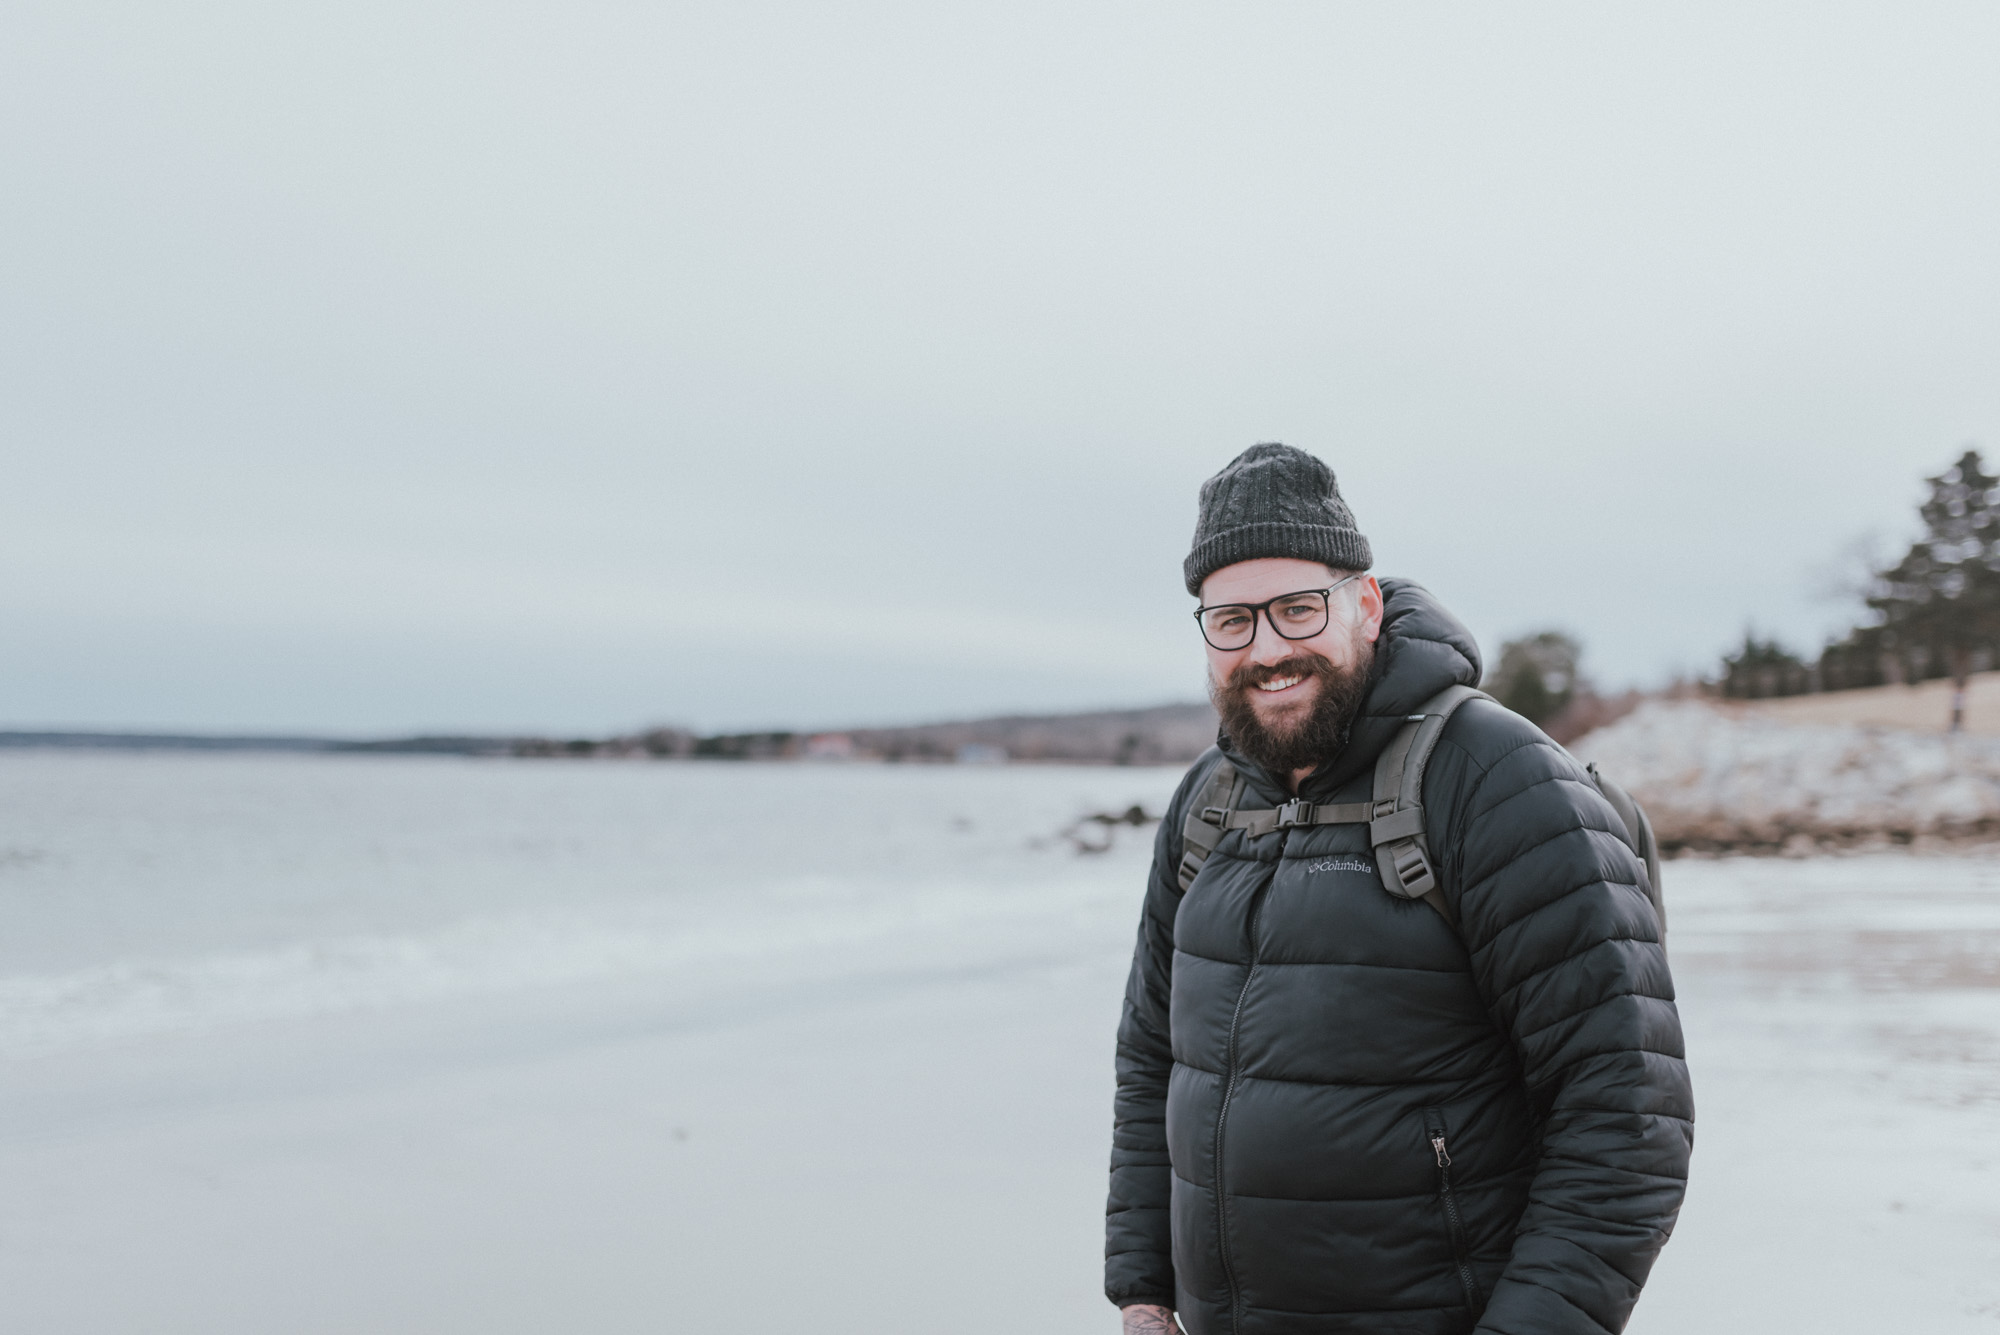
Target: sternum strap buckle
[{"x": 1295, "y": 813}]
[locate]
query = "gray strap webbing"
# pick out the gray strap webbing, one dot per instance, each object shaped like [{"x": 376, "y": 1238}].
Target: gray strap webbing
[
  {"x": 1199, "y": 836},
  {"x": 1402, "y": 854},
  {"x": 1293, "y": 815}
]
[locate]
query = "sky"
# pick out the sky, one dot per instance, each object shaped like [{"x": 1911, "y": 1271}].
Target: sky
[{"x": 376, "y": 367}]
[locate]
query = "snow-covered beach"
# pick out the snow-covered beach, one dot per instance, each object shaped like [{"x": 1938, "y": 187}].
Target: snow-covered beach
[
  {"x": 321, "y": 1045},
  {"x": 1744, "y": 776}
]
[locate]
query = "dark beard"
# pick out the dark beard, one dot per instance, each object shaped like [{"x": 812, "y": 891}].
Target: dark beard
[{"x": 1314, "y": 739}]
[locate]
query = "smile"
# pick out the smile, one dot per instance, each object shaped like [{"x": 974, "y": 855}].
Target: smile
[{"x": 1280, "y": 683}]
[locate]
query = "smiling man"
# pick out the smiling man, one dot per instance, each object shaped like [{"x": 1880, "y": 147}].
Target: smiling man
[{"x": 1456, "y": 1104}]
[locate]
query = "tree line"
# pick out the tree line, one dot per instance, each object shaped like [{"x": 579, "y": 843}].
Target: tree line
[{"x": 1934, "y": 613}]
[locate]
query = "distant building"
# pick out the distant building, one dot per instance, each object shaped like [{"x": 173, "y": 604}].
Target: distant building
[
  {"x": 982, "y": 753},
  {"x": 829, "y": 746}
]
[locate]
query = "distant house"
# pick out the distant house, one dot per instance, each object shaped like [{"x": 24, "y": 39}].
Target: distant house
[
  {"x": 982, "y": 753},
  {"x": 830, "y": 746}
]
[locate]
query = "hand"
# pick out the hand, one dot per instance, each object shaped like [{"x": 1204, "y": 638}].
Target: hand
[{"x": 1147, "y": 1319}]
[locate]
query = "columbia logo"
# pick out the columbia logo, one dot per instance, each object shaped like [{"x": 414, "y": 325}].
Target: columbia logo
[{"x": 1341, "y": 864}]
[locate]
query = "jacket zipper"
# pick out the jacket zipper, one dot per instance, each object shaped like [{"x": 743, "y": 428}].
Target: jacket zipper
[
  {"x": 1222, "y": 1121},
  {"x": 1454, "y": 1223}
]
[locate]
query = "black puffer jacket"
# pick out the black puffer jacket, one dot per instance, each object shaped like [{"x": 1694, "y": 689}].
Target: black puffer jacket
[{"x": 1295, "y": 1039}]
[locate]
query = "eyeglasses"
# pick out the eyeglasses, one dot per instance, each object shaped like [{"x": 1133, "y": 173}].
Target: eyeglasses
[{"x": 1295, "y": 616}]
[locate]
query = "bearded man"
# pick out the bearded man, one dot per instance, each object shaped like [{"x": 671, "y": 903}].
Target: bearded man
[{"x": 1342, "y": 1110}]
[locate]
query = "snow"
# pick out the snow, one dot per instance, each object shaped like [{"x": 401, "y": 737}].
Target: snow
[
  {"x": 1720, "y": 778},
  {"x": 327, "y": 1046}
]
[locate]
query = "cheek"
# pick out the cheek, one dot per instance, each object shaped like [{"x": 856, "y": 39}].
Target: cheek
[
  {"x": 1335, "y": 648},
  {"x": 1342, "y": 646}
]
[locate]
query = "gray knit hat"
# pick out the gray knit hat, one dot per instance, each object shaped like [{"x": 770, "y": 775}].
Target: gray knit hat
[{"x": 1273, "y": 500}]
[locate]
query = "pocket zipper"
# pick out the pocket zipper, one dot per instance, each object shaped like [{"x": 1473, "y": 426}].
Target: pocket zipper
[{"x": 1453, "y": 1221}]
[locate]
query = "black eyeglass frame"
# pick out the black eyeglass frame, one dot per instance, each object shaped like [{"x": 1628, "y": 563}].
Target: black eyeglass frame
[{"x": 1325, "y": 607}]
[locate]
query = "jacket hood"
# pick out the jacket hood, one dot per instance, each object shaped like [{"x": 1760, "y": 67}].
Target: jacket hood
[{"x": 1421, "y": 650}]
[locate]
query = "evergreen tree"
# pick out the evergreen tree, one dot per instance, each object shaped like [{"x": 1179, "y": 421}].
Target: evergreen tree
[
  {"x": 1856, "y": 660},
  {"x": 1763, "y": 668},
  {"x": 1537, "y": 675},
  {"x": 1940, "y": 605}
]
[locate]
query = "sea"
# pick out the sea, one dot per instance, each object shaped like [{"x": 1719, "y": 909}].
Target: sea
[{"x": 153, "y": 893}]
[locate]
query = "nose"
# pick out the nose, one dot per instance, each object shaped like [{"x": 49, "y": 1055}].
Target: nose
[{"x": 1267, "y": 646}]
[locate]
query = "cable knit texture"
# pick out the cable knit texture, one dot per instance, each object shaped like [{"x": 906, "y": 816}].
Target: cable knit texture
[
  {"x": 1273, "y": 500},
  {"x": 1295, "y": 1040}
]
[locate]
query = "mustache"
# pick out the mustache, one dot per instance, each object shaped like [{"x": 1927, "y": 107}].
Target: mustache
[{"x": 1252, "y": 675}]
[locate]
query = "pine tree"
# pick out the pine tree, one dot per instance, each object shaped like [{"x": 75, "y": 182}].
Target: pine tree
[
  {"x": 1537, "y": 675},
  {"x": 1941, "y": 602},
  {"x": 1763, "y": 668}
]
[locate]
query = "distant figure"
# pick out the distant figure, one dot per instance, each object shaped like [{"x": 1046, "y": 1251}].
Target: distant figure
[{"x": 1404, "y": 1063}]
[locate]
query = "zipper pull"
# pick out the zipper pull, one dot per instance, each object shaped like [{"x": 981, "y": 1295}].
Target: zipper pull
[{"x": 1437, "y": 1145}]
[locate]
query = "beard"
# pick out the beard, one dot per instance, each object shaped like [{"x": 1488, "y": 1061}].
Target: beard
[{"x": 1309, "y": 737}]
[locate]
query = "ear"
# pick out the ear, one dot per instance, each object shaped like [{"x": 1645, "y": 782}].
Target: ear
[{"x": 1371, "y": 608}]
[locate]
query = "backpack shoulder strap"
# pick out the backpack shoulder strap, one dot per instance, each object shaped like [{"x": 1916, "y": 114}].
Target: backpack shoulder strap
[
  {"x": 1396, "y": 823},
  {"x": 1208, "y": 819}
]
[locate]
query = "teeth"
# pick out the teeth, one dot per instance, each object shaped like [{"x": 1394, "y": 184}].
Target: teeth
[{"x": 1278, "y": 683}]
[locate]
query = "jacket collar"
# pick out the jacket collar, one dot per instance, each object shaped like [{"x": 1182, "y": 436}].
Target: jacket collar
[{"x": 1421, "y": 650}]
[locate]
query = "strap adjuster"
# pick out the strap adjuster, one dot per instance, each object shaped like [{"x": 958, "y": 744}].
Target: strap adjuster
[
  {"x": 1295, "y": 813},
  {"x": 1411, "y": 868}
]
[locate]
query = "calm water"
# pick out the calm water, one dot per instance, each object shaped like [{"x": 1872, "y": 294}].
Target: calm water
[{"x": 144, "y": 893}]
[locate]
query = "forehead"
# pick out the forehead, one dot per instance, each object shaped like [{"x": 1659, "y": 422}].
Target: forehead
[{"x": 1265, "y": 577}]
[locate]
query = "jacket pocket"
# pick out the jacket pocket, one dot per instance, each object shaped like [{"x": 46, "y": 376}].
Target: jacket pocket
[{"x": 1454, "y": 1220}]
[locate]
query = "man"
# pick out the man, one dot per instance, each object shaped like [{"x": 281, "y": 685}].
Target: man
[{"x": 1344, "y": 1111}]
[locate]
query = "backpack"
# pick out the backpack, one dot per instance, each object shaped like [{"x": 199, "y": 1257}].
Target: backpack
[{"x": 1395, "y": 815}]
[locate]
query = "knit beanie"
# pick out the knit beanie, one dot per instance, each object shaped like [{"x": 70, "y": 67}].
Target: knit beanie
[{"x": 1273, "y": 500}]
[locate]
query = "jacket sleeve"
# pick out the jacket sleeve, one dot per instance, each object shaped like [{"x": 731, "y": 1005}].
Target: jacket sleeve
[
  {"x": 1568, "y": 956},
  {"x": 1138, "y": 1252}
]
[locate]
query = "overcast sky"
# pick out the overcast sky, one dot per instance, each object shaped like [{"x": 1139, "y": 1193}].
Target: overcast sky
[{"x": 379, "y": 366}]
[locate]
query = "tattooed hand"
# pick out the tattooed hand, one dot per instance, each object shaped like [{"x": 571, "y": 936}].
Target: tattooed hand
[{"x": 1146, "y": 1319}]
